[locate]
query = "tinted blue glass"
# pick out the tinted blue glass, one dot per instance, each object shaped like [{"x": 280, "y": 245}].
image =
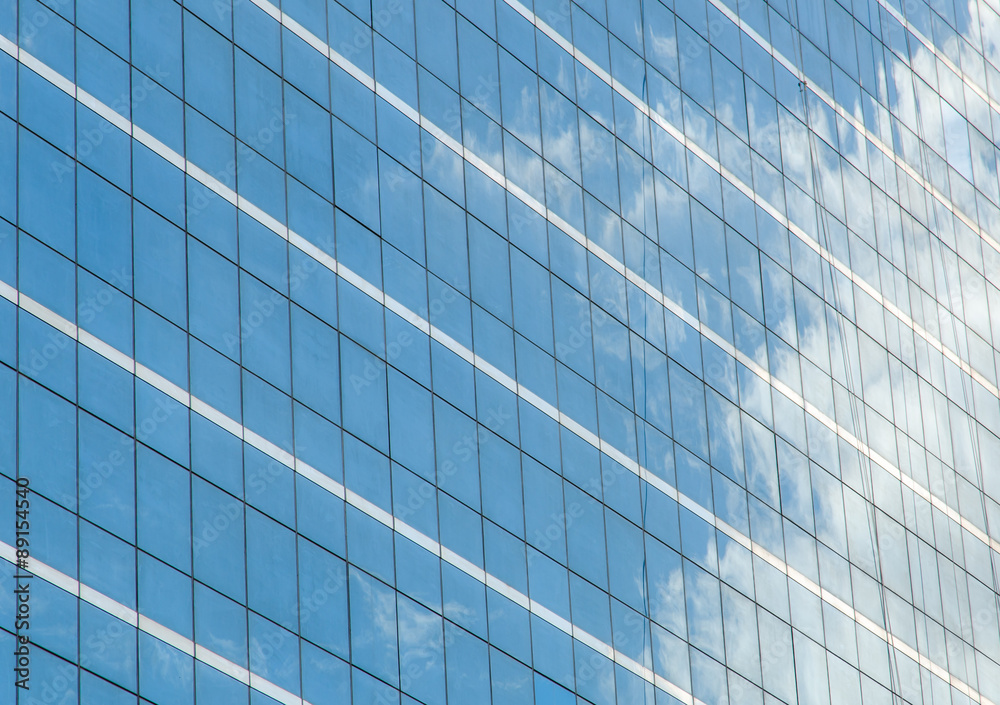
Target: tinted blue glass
[
  {"x": 270, "y": 592},
  {"x": 99, "y": 690},
  {"x": 103, "y": 74},
  {"x": 269, "y": 485},
  {"x": 306, "y": 69},
  {"x": 214, "y": 297},
  {"x": 307, "y": 139},
  {"x": 467, "y": 664},
  {"x": 215, "y": 379},
  {"x": 259, "y": 112},
  {"x": 413, "y": 441},
  {"x": 99, "y": 551},
  {"x": 46, "y": 196},
  {"x": 101, "y": 147},
  {"x": 264, "y": 332},
  {"x": 157, "y": 183},
  {"x": 364, "y": 400},
  {"x": 161, "y": 495},
  {"x": 50, "y": 33},
  {"x": 56, "y": 535},
  {"x": 161, "y": 422},
  {"x": 8, "y": 95},
  {"x": 160, "y": 345},
  {"x": 219, "y": 552},
  {"x": 436, "y": 39},
  {"x": 211, "y": 684},
  {"x": 165, "y": 594},
  {"x": 8, "y": 202},
  {"x": 261, "y": 179},
  {"x": 355, "y": 175},
  {"x": 46, "y": 354},
  {"x": 45, "y": 110},
  {"x": 165, "y": 673},
  {"x": 207, "y": 144},
  {"x": 323, "y": 598},
  {"x": 369, "y": 544},
  {"x": 47, "y": 439},
  {"x": 156, "y": 41},
  {"x": 107, "y": 22},
  {"x": 318, "y": 442},
  {"x": 374, "y": 649},
  {"x": 267, "y": 409},
  {"x": 459, "y": 471},
  {"x": 107, "y": 477},
  {"x": 222, "y": 623}
]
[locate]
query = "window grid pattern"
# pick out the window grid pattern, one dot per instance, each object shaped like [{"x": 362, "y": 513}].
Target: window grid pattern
[{"x": 232, "y": 549}]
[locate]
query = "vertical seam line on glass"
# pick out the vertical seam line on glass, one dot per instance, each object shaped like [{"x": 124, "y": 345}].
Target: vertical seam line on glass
[
  {"x": 283, "y": 231},
  {"x": 886, "y": 149},
  {"x": 648, "y": 288},
  {"x": 748, "y": 191},
  {"x": 479, "y": 574},
  {"x": 251, "y": 205},
  {"x": 143, "y": 623},
  {"x": 374, "y": 293},
  {"x": 941, "y": 56},
  {"x": 313, "y": 251},
  {"x": 671, "y": 129},
  {"x": 636, "y": 279}
]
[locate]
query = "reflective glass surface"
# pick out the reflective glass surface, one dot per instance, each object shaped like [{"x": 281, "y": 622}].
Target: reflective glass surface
[{"x": 470, "y": 351}]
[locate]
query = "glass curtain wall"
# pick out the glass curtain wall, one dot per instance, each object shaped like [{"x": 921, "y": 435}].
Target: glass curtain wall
[{"x": 550, "y": 352}]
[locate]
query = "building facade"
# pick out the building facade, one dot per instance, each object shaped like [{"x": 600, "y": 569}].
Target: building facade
[{"x": 472, "y": 351}]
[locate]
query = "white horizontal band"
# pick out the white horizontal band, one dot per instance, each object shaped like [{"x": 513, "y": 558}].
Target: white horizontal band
[
  {"x": 377, "y": 513},
  {"x": 446, "y": 340},
  {"x": 151, "y": 627},
  {"x": 941, "y": 56},
  {"x": 651, "y": 290},
  {"x": 678, "y": 134},
  {"x": 647, "y": 287},
  {"x": 857, "y": 124}
]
